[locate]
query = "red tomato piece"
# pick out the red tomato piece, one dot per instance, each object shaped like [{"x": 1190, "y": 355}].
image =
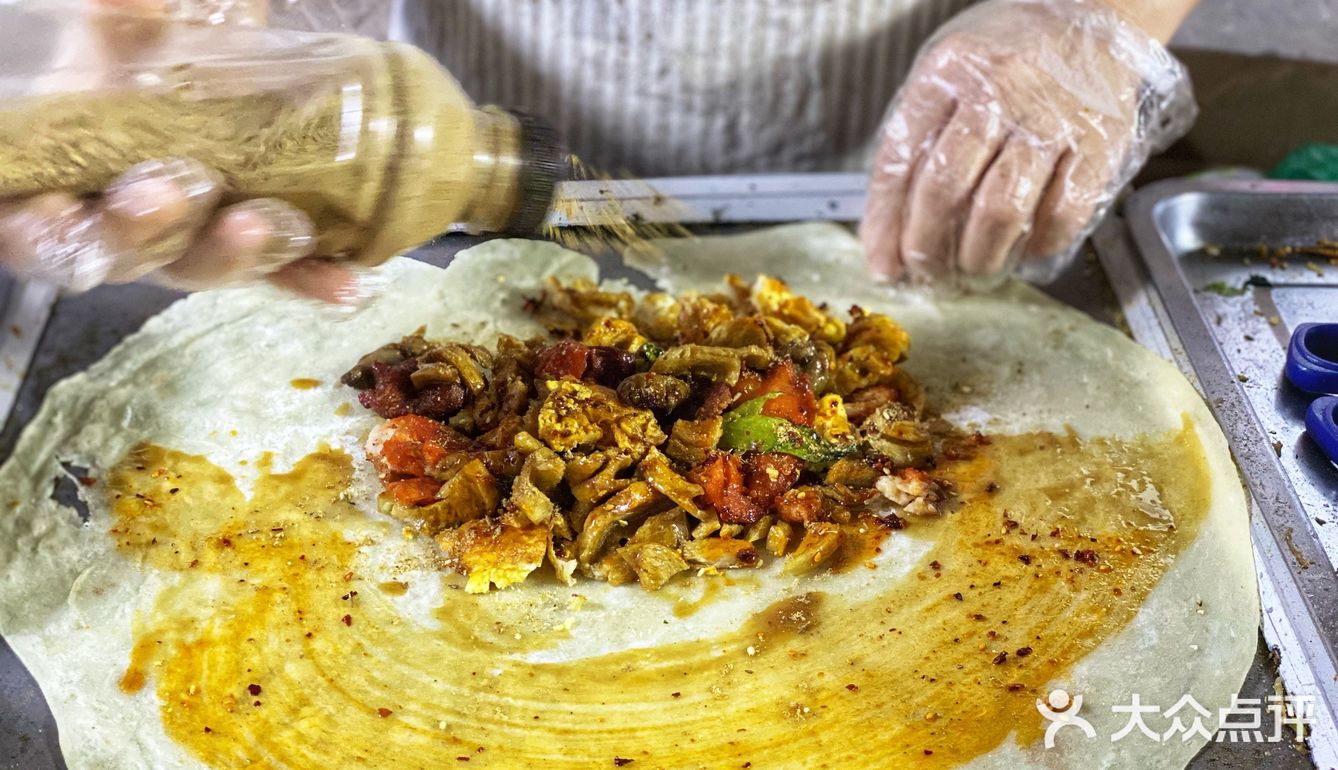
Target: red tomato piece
[
  {"x": 411, "y": 445},
  {"x": 564, "y": 358},
  {"x": 414, "y": 491},
  {"x": 721, "y": 479},
  {"x": 768, "y": 475},
  {"x": 795, "y": 403}
]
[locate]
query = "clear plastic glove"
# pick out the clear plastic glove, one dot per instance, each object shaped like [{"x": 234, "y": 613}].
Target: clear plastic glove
[
  {"x": 161, "y": 220},
  {"x": 1019, "y": 124}
]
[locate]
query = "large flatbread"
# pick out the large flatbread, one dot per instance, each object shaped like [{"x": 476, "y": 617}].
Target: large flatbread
[{"x": 234, "y": 598}]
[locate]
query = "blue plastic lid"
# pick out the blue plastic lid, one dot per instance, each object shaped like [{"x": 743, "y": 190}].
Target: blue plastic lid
[
  {"x": 1312, "y": 358},
  {"x": 1321, "y": 422}
]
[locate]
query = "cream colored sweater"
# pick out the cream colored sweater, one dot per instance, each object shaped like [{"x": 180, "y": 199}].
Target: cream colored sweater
[{"x": 657, "y": 87}]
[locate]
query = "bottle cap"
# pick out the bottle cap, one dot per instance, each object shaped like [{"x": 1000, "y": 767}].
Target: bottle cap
[
  {"x": 1312, "y": 358},
  {"x": 543, "y": 163}
]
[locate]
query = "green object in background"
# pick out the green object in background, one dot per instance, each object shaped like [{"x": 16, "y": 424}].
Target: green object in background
[{"x": 1315, "y": 162}]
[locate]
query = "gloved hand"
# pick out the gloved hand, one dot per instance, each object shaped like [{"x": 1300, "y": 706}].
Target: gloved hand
[
  {"x": 161, "y": 219},
  {"x": 1020, "y": 122}
]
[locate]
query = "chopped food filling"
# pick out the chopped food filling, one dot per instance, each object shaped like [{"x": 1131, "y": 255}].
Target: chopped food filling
[{"x": 654, "y": 436}]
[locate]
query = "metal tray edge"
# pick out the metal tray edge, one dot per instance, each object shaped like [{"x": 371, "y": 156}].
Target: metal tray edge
[{"x": 1297, "y": 563}]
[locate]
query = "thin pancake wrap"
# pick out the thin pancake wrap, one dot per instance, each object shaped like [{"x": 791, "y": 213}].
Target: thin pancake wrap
[{"x": 234, "y": 597}]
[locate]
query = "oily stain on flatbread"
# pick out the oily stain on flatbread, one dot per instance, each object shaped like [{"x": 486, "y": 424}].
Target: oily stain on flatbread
[{"x": 271, "y": 649}]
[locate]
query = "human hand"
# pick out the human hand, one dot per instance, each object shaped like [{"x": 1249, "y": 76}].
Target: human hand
[
  {"x": 1020, "y": 122},
  {"x": 161, "y": 220}
]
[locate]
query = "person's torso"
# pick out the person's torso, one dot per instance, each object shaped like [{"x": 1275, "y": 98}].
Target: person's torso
[{"x": 657, "y": 87}]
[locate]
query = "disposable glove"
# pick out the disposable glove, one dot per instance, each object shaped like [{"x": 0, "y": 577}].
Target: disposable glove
[{"x": 1019, "y": 124}]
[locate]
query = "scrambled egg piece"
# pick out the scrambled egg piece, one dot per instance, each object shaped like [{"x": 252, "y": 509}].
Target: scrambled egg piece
[
  {"x": 493, "y": 554},
  {"x": 881, "y": 332},
  {"x": 774, "y": 298},
  {"x": 614, "y": 333},
  {"x": 831, "y": 421},
  {"x": 470, "y": 494},
  {"x": 576, "y": 414},
  {"x": 698, "y": 316},
  {"x": 657, "y": 314},
  {"x": 871, "y": 351}
]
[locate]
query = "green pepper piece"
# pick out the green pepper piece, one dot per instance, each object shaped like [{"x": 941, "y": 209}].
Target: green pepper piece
[
  {"x": 650, "y": 351},
  {"x": 745, "y": 429}
]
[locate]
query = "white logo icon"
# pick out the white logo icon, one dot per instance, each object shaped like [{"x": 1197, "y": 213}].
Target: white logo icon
[{"x": 1061, "y": 710}]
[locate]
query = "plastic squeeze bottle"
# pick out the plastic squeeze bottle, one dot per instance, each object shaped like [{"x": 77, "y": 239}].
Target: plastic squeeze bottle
[{"x": 374, "y": 141}]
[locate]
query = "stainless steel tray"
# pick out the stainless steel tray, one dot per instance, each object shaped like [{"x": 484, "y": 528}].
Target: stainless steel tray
[{"x": 1197, "y": 267}]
